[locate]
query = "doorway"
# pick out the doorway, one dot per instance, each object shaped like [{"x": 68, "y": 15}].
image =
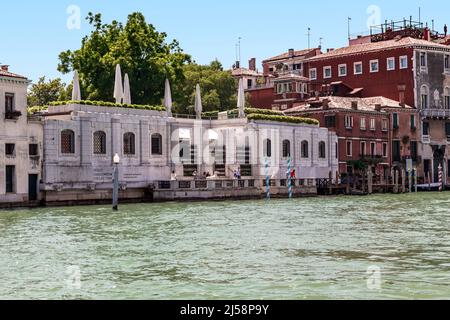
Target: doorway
[{"x": 32, "y": 187}]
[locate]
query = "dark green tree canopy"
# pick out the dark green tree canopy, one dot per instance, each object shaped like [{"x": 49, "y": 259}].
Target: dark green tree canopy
[{"x": 141, "y": 51}]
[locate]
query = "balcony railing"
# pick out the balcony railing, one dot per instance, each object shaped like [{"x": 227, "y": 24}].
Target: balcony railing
[
  {"x": 436, "y": 113},
  {"x": 12, "y": 115}
]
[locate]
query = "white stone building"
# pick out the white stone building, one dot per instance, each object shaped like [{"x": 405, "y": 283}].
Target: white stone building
[
  {"x": 20, "y": 143},
  {"x": 80, "y": 143}
]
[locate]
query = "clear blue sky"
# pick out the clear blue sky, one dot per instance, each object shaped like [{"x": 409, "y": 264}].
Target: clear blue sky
[{"x": 33, "y": 33}]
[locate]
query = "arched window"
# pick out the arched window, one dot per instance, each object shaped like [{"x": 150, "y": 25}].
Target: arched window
[
  {"x": 99, "y": 142},
  {"x": 267, "y": 148},
  {"x": 129, "y": 147},
  {"x": 305, "y": 149},
  {"x": 322, "y": 150},
  {"x": 286, "y": 149},
  {"x": 67, "y": 142},
  {"x": 447, "y": 98},
  {"x": 157, "y": 144},
  {"x": 424, "y": 97}
]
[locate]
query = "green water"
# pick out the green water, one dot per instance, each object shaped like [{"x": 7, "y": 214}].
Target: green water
[{"x": 318, "y": 248}]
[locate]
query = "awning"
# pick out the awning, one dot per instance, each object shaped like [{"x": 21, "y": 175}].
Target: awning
[{"x": 355, "y": 91}]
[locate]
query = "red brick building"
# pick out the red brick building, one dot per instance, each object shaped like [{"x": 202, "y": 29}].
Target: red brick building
[
  {"x": 285, "y": 82},
  {"x": 367, "y": 129}
]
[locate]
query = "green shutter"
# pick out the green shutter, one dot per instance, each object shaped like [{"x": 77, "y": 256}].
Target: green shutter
[{"x": 395, "y": 120}]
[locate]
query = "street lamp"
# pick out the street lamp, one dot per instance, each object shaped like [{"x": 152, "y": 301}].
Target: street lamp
[{"x": 116, "y": 161}]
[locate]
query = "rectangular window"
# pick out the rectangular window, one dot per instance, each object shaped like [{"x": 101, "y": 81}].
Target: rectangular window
[
  {"x": 363, "y": 123},
  {"x": 363, "y": 149},
  {"x": 390, "y": 64},
  {"x": 395, "y": 124},
  {"x": 413, "y": 150},
  {"x": 413, "y": 122},
  {"x": 396, "y": 154},
  {"x": 313, "y": 74},
  {"x": 404, "y": 62},
  {"x": 9, "y": 102},
  {"x": 342, "y": 70},
  {"x": 330, "y": 121},
  {"x": 426, "y": 129},
  {"x": 348, "y": 122},
  {"x": 349, "y": 149},
  {"x": 447, "y": 62},
  {"x": 373, "y": 124},
  {"x": 374, "y": 66},
  {"x": 373, "y": 149},
  {"x": 358, "y": 68},
  {"x": 327, "y": 72},
  {"x": 33, "y": 150},
  {"x": 427, "y": 167},
  {"x": 447, "y": 130},
  {"x": 385, "y": 150},
  {"x": 10, "y": 177},
  {"x": 384, "y": 125},
  {"x": 10, "y": 149},
  {"x": 249, "y": 83},
  {"x": 423, "y": 59}
]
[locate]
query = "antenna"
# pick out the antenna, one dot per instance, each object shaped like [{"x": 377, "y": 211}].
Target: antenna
[
  {"x": 239, "y": 44},
  {"x": 320, "y": 42},
  {"x": 420, "y": 13},
  {"x": 348, "y": 25},
  {"x": 309, "y": 38}
]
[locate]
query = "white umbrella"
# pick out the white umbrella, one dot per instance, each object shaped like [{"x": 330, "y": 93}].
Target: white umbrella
[
  {"x": 241, "y": 99},
  {"x": 76, "y": 93},
  {"x": 118, "y": 88},
  {"x": 198, "y": 102},
  {"x": 126, "y": 90},
  {"x": 168, "y": 98}
]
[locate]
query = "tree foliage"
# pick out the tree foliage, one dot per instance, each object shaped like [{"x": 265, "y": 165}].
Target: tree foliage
[
  {"x": 218, "y": 88},
  {"x": 43, "y": 92},
  {"x": 141, "y": 51}
]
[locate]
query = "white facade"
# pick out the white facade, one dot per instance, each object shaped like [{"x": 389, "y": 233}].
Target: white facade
[
  {"x": 83, "y": 175},
  {"x": 20, "y": 143}
]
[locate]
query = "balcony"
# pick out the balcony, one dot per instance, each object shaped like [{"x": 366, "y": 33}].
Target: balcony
[
  {"x": 12, "y": 115},
  {"x": 436, "y": 113}
]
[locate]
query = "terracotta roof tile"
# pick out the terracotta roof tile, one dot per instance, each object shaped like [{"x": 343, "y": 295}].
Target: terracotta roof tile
[
  {"x": 377, "y": 46},
  {"x": 364, "y": 104},
  {"x": 4, "y": 73},
  {"x": 286, "y": 55}
]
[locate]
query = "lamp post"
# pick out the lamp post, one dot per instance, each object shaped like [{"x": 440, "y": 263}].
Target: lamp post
[{"x": 116, "y": 161}]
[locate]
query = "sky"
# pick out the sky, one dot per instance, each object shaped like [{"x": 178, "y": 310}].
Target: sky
[{"x": 33, "y": 33}]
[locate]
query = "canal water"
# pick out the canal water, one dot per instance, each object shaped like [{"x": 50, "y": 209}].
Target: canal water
[{"x": 377, "y": 247}]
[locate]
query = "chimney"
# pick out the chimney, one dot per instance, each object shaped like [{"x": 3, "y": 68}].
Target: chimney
[
  {"x": 5, "y": 67},
  {"x": 238, "y": 64},
  {"x": 252, "y": 64},
  {"x": 354, "y": 105},
  {"x": 291, "y": 53},
  {"x": 427, "y": 34}
]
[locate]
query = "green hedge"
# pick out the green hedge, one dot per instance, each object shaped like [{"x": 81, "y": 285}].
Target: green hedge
[
  {"x": 234, "y": 112},
  {"x": 287, "y": 119},
  {"x": 109, "y": 104},
  {"x": 35, "y": 109}
]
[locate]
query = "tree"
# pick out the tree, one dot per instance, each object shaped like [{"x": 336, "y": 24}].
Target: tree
[
  {"x": 218, "y": 87},
  {"x": 141, "y": 51},
  {"x": 42, "y": 92}
]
